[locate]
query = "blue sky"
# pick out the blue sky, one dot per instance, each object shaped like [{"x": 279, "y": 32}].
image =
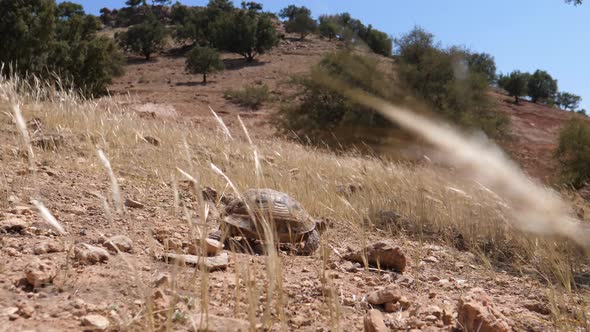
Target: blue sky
[{"x": 520, "y": 34}]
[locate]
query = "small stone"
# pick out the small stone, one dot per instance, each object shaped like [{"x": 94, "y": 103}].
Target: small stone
[
  {"x": 390, "y": 293},
  {"x": 430, "y": 259},
  {"x": 430, "y": 318},
  {"x": 300, "y": 321},
  {"x": 39, "y": 272},
  {"x": 48, "y": 247},
  {"x": 392, "y": 307},
  {"x": 161, "y": 300},
  {"x": 477, "y": 312},
  {"x": 8, "y": 311},
  {"x": 212, "y": 323},
  {"x": 120, "y": 242},
  {"x": 382, "y": 255},
  {"x": 26, "y": 311},
  {"x": 87, "y": 254},
  {"x": 20, "y": 210},
  {"x": 435, "y": 311},
  {"x": 133, "y": 204},
  {"x": 373, "y": 322},
  {"x": 405, "y": 303},
  {"x": 152, "y": 140},
  {"x": 162, "y": 280},
  {"x": 212, "y": 247},
  {"x": 211, "y": 263},
  {"x": 13, "y": 225},
  {"x": 348, "y": 266},
  {"x": 95, "y": 323}
]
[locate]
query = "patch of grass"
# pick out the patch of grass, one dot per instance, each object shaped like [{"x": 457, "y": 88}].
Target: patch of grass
[{"x": 251, "y": 96}]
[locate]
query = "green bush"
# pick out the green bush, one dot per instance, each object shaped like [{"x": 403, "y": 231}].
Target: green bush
[
  {"x": 144, "y": 38},
  {"x": 321, "y": 112},
  {"x": 245, "y": 32},
  {"x": 573, "y": 152},
  {"x": 568, "y": 100},
  {"x": 303, "y": 24},
  {"x": 41, "y": 38},
  {"x": 250, "y": 96},
  {"x": 203, "y": 60},
  {"x": 443, "y": 80}
]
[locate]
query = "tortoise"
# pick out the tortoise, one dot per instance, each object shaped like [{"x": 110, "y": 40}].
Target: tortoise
[{"x": 292, "y": 223}]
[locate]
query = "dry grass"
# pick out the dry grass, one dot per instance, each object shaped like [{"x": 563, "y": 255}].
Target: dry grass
[{"x": 435, "y": 203}]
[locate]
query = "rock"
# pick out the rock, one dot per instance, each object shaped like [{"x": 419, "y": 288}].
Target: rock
[
  {"x": 390, "y": 293},
  {"x": 87, "y": 254},
  {"x": 39, "y": 272},
  {"x": 434, "y": 311},
  {"x": 405, "y": 302},
  {"x": 152, "y": 140},
  {"x": 211, "y": 263},
  {"x": 538, "y": 307},
  {"x": 430, "y": 259},
  {"x": 381, "y": 254},
  {"x": 448, "y": 315},
  {"x": 120, "y": 242},
  {"x": 13, "y": 225},
  {"x": 212, "y": 323},
  {"x": 392, "y": 307},
  {"x": 212, "y": 247},
  {"x": 9, "y": 311},
  {"x": 161, "y": 300},
  {"x": 133, "y": 204},
  {"x": 373, "y": 322},
  {"x": 477, "y": 312},
  {"x": 26, "y": 310},
  {"x": 48, "y": 247},
  {"x": 162, "y": 280},
  {"x": 20, "y": 210},
  {"x": 95, "y": 323}
]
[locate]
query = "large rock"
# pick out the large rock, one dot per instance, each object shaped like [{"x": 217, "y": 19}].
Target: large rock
[
  {"x": 381, "y": 254},
  {"x": 40, "y": 272},
  {"x": 390, "y": 293},
  {"x": 12, "y": 225},
  {"x": 120, "y": 242},
  {"x": 212, "y": 323},
  {"x": 477, "y": 312},
  {"x": 87, "y": 254},
  {"x": 211, "y": 263},
  {"x": 373, "y": 322},
  {"x": 95, "y": 323}
]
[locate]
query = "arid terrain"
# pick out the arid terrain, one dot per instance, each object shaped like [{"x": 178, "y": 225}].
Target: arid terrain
[{"x": 454, "y": 261}]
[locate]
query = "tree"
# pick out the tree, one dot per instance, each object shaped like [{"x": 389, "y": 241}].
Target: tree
[
  {"x": 575, "y": 2},
  {"x": 161, "y": 2},
  {"x": 107, "y": 16},
  {"x": 484, "y": 64},
  {"x": 135, "y": 3},
  {"x": 244, "y": 32},
  {"x": 573, "y": 152},
  {"x": 515, "y": 84},
  {"x": 203, "y": 60},
  {"x": 291, "y": 11},
  {"x": 26, "y": 29},
  {"x": 68, "y": 9},
  {"x": 568, "y": 100},
  {"x": 378, "y": 41},
  {"x": 541, "y": 86},
  {"x": 302, "y": 23},
  {"x": 328, "y": 27},
  {"x": 412, "y": 46},
  {"x": 144, "y": 39},
  {"x": 251, "y": 5}
]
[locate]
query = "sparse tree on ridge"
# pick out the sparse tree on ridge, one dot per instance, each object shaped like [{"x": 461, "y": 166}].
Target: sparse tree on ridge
[
  {"x": 302, "y": 23},
  {"x": 515, "y": 84},
  {"x": 328, "y": 27},
  {"x": 568, "y": 100},
  {"x": 541, "y": 87},
  {"x": 203, "y": 60},
  {"x": 291, "y": 11}
]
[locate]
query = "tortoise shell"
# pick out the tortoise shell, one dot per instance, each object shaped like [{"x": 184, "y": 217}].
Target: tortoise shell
[{"x": 287, "y": 217}]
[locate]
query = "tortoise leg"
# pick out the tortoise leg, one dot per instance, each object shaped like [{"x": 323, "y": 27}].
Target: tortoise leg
[{"x": 311, "y": 243}]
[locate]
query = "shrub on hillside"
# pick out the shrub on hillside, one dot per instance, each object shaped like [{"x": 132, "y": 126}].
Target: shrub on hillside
[
  {"x": 443, "y": 79},
  {"x": 484, "y": 64},
  {"x": 251, "y": 96},
  {"x": 303, "y": 24},
  {"x": 321, "y": 111},
  {"x": 143, "y": 39},
  {"x": 573, "y": 152},
  {"x": 244, "y": 32},
  {"x": 40, "y": 38},
  {"x": 203, "y": 60},
  {"x": 328, "y": 27}
]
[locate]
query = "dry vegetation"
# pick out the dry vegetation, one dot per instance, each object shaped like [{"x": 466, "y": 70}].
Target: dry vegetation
[{"x": 435, "y": 204}]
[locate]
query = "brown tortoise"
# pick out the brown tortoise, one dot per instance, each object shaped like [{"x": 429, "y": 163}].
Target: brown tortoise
[{"x": 292, "y": 223}]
